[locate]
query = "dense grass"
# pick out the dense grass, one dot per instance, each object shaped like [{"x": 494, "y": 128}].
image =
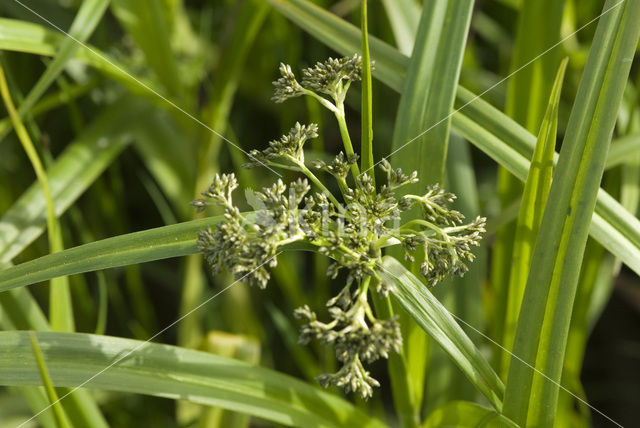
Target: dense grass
[{"x": 110, "y": 131}]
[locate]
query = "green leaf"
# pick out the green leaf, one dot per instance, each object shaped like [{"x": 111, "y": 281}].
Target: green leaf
[
  {"x": 70, "y": 175},
  {"x": 404, "y": 16},
  {"x": 423, "y": 117},
  {"x": 534, "y": 200},
  {"x": 428, "y": 97},
  {"x": 622, "y": 150},
  {"x": 538, "y": 28},
  {"x": 125, "y": 365},
  {"x": 548, "y": 301},
  {"x": 149, "y": 24},
  {"x": 21, "y": 36},
  {"x": 139, "y": 247},
  {"x": 464, "y": 414},
  {"x": 85, "y": 22},
  {"x": 459, "y": 295},
  {"x": 435, "y": 320}
]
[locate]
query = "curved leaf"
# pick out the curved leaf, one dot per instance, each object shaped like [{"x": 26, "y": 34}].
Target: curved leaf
[
  {"x": 465, "y": 414},
  {"x": 126, "y": 365},
  {"x": 541, "y": 335},
  {"x": 436, "y": 321}
]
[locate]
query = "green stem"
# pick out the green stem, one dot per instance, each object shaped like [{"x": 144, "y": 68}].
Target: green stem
[
  {"x": 366, "y": 149},
  {"x": 322, "y": 187},
  {"x": 61, "y": 312},
  {"x": 32, "y": 154},
  {"x": 61, "y": 418},
  {"x": 346, "y": 139}
]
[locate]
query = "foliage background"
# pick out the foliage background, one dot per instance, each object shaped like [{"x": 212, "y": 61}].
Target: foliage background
[{"x": 216, "y": 60}]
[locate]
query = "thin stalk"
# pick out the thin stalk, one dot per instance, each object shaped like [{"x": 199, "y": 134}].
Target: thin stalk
[
  {"x": 346, "y": 139},
  {"x": 61, "y": 312},
  {"x": 60, "y": 416},
  {"x": 366, "y": 142},
  {"x": 322, "y": 187}
]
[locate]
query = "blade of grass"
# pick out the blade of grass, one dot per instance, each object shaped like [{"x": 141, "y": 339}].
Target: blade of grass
[
  {"x": 465, "y": 414},
  {"x": 622, "y": 150},
  {"x": 429, "y": 89},
  {"x": 61, "y": 309},
  {"x": 62, "y": 419},
  {"x": 148, "y": 23},
  {"x": 239, "y": 347},
  {"x": 531, "y": 83},
  {"x": 138, "y": 247},
  {"x": 462, "y": 296},
  {"x": 404, "y": 16},
  {"x": 548, "y": 301},
  {"x": 177, "y": 373},
  {"x": 427, "y": 97},
  {"x": 534, "y": 200},
  {"x": 436, "y": 321},
  {"x": 22, "y": 36},
  {"x": 87, "y": 19}
]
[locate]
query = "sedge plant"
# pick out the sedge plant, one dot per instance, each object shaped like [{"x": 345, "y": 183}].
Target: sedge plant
[{"x": 351, "y": 226}]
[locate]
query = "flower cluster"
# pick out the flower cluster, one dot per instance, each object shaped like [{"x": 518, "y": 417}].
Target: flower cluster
[
  {"x": 351, "y": 228},
  {"x": 331, "y": 77}
]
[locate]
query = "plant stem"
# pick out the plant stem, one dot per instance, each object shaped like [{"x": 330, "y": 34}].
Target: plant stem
[
  {"x": 346, "y": 139},
  {"x": 61, "y": 418},
  {"x": 32, "y": 154},
  {"x": 61, "y": 312},
  {"x": 322, "y": 187},
  {"x": 366, "y": 142}
]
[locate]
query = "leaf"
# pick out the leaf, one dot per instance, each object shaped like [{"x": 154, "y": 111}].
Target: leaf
[
  {"x": 125, "y": 365},
  {"x": 538, "y": 28},
  {"x": 423, "y": 117},
  {"x": 623, "y": 150},
  {"x": 534, "y": 200},
  {"x": 85, "y": 22},
  {"x": 459, "y": 295},
  {"x": 21, "y": 36},
  {"x": 436, "y": 321},
  {"x": 70, "y": 175},
  {"x": 148, "y": 23},
  {"x": 139, "y": 247},
  {"x": 465, "y": 414},
  {"x": 428, "y": 97},
  {"x": 541, "y": 335}
]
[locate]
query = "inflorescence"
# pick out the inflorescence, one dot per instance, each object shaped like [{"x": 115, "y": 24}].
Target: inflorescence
[{"x": 352, "y": 232}]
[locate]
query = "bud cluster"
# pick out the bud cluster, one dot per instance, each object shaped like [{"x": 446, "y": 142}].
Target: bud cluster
[{"x": 351, "y": 228}]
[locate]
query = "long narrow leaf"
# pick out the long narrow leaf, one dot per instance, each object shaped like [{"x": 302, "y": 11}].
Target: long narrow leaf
[
  {"x": 126, "y": 365},
  {"x": 548, "y": 301},
  {"x": 85, "y": 22},
  {"x": 436, "y": 321},
  {"x": 534, "y": 199},
  {"x": 464, "y": 414},
  {"x": 404, "y": 16},
  {"x": 531, "y": 82},
  {"x": 70, "y": 175}
]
